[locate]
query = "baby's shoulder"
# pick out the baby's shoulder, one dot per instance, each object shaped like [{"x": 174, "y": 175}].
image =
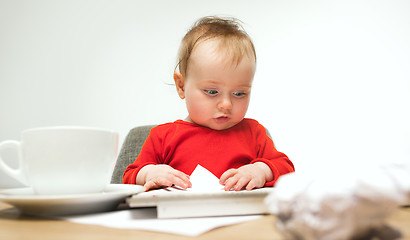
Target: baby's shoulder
[
  {"x": 251, "y": 122},
  {"x": 164, "y": 127},
  {"x": 253, "y": 126},
  {"x": 169, "y": 128}
]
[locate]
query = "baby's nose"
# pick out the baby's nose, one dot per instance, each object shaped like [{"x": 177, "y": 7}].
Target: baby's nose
[{"x": 225, "y": 103}]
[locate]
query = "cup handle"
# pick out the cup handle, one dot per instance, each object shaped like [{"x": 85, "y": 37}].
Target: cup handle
[{"x": 18, "y": 173}]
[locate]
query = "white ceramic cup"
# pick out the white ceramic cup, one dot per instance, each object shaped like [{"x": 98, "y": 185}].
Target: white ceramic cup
[{"x": 63, "y": 160}]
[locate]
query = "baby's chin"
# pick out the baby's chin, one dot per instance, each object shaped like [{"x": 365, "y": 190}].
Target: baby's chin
[{"x": 221, "y": 126}]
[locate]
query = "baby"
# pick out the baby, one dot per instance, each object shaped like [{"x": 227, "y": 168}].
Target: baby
[{"x": 217, "y": 63}]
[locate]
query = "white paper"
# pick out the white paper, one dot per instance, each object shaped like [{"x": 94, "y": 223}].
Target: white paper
[
  {"x": 202, "y": 181},
  {"x": 145, "y": 219}
]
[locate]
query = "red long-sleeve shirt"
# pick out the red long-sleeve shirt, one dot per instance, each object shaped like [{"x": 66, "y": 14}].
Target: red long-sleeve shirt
[{"x": 184, "y": 145}]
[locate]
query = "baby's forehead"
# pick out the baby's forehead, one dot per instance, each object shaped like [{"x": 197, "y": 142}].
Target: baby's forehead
[
  {"x": 222, "y": 51},
  {"x": 210, "y": 62}
]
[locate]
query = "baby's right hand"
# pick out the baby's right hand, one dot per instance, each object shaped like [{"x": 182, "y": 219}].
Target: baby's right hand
[{"x": 162, "y": 175}]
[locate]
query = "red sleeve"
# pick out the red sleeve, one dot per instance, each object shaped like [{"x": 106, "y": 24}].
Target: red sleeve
[
  {"x": 150, "y": 154},
  {"x": 278, "y": 162}
]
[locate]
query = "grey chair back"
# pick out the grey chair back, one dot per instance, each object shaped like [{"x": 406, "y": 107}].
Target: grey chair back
[{"x": 129, "y": 151}]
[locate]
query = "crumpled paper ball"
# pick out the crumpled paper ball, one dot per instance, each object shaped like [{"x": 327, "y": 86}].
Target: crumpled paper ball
[{"x": 340, "y": 204}]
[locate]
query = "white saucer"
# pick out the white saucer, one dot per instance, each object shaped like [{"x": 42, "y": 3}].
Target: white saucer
[{"x": 25, "y": 200}]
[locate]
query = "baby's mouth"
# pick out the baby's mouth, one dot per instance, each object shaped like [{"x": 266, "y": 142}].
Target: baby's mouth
[{"x": 222, "y": 119}]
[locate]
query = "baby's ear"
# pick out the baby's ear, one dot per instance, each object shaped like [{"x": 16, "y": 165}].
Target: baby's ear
[{"x": 180, "y": 84}]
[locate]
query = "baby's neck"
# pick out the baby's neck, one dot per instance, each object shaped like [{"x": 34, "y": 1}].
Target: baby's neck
[{"x": 188, "y": 119}]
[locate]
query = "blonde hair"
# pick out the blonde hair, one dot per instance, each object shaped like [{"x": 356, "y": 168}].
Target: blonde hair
[{"x": 230, "y": 34}]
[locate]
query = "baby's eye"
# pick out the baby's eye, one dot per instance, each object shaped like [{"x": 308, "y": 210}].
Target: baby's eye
[
  {"x": 211, "y": 92},
  {"x": 239, "y": 94}
]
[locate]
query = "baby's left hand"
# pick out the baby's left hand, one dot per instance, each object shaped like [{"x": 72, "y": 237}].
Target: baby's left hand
[{"x": 248, "y": 176}]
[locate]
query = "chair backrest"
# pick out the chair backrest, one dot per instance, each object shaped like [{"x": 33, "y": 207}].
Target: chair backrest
[{"x": 131, "y": 149}]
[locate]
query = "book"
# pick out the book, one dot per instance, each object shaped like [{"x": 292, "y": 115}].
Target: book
[{"x": 206, "y": 198}]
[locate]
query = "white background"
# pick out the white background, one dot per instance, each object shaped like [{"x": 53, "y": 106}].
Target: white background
[{"x": 332, "y": 82}]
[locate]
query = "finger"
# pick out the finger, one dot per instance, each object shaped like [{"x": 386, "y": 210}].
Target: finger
[
  {"x": 176, "y": 178},
  {"x": 180, "y": 174},
  {"x": 226, "y": 175},
  {"x": 150, "y": 185},
  {"x": 181, "y": 179},
  {"x": 241, "y": 183},
  {"x": 159, "y": 182},
  {"x": 253, "y": 184},
  {"x": 147, "y": 187},
  {"x": 231, "y": 182},
  {"x": 182, "y": 183}
]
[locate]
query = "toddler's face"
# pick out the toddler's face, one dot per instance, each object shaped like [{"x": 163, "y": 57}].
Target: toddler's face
[{"x": 217, "y": 91}]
